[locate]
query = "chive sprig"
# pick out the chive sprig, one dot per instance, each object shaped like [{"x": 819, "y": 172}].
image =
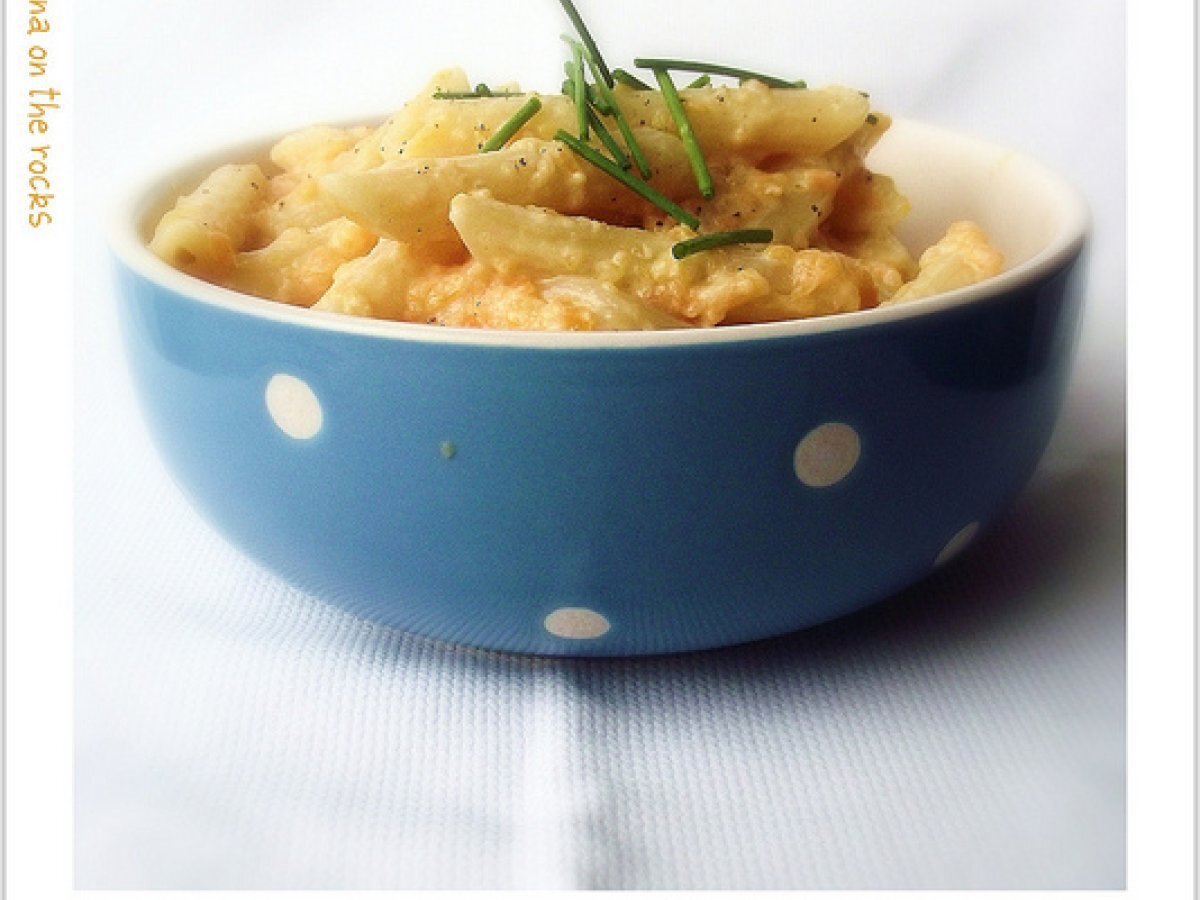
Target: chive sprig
[
  {"x": 684, "y": 249},
  {"x": 528, "y": 110},
  {"x": 690, "y": 65},
  {"x": 690, "y": 145},
  {"x": 481, "y": 92},
  {"x": 630, "y": 80},
  {"x": 606, "y": 138},
  {"x": 589, "y": 43},
  {"x": 578, "y": 87},
  {"x": 606, "y": 165},
  {"x": 606, "y": 95}
]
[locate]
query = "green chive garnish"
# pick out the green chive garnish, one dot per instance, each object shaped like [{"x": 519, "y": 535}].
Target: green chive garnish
[
  {"x": 527, "y": 111},
  {"x": 635, "y": 150},
  {"x": 687, "y": 65},
  {"x": 606, "y": 138},
  {"x": 578, "y": 87},
  {"x": 638, "y": 187},
  {"x": 630, "y": 80},
  {"x": 702, "y": 81},
  {"x": 473, "y": 95},
  {"x": 690, "y": 145},
  {"x": 597, "y": 100},
  {"x": 722, "y": 239},
  {"x": 586, "y": 36}
]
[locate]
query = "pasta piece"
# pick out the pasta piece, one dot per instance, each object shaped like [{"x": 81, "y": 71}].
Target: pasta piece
[
  {"x": 865, "y": 212},
  {"x": 754, "y": 121},
  {"x": 298, "y": 266},
  {"x": 768, "y": 282},
  {"x": 381, "y": 285},
  {"x": 883, "y": 255},
  {"x": 204, "y": 230},
  {"x": 409, "y": 199},
  {"x": 792, "y": 203},
  {"x": 390, "y": 139},
  {"x": 459, "y": 127},
  {"x": 314, "y": 150},
  {"x": 963, "y": 256},
  {"x": 867, "y": 204},
  {"x": 515, "y": 239},
  {"x": 296, "y": 201},
  {"x": 805, "y": 283}
]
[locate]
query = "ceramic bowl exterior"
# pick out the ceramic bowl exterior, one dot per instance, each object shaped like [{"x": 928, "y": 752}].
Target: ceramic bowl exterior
[{"x": 615, "y": 494}]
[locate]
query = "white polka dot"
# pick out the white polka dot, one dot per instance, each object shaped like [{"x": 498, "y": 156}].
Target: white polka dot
[
  {"x": 294, "y": 407},
  {"x": 827, "y": 454},
  {"x": 957, "y": 544},
  {"x": 576, "y": 623}
]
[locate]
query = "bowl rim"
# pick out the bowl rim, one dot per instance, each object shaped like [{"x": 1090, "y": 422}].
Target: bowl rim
[{"x": 128, "y": 245}]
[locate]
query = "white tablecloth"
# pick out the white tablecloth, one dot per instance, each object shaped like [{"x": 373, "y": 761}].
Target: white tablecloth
[{"x": 233, "y": 732}]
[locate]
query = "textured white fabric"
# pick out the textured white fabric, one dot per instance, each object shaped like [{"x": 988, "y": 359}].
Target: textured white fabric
[{"x": 232, "y": 732}]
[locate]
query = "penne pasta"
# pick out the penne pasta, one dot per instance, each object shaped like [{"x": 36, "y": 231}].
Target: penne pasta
[
  {"x": 753, "y": 120},
  {"x": 205, "y": 228},
  {"x": 409, "y": 199},
  {"x": 963, "y": 256},
  {"x": 737, "y": 283},
  {"x": 316, "y": 150},
  {"x": 298, "y": 266},
  {"x": 470, "y": 207}
]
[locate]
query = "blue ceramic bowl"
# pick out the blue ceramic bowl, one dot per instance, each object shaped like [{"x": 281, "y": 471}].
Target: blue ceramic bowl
[{"x": 619, "y": 493}]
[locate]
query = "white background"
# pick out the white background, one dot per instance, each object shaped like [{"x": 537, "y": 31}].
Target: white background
[{"x": 232, "y": 733}]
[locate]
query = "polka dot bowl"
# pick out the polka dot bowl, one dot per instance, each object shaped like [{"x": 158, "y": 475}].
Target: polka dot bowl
[{"x": 621, "y": 493}]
